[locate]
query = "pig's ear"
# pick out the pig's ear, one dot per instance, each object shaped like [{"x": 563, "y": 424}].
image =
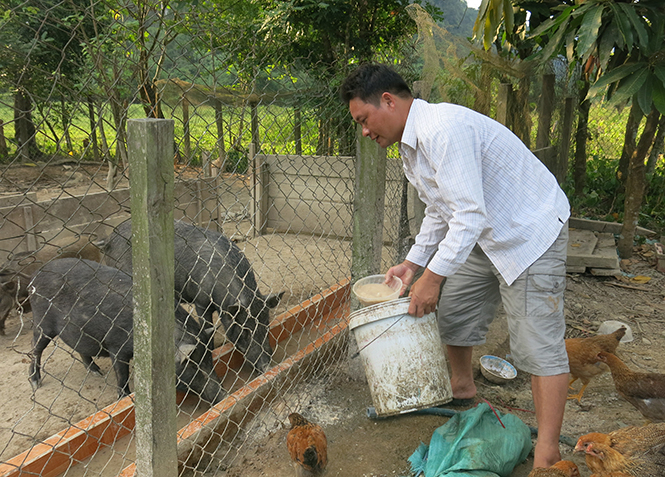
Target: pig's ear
[
  {"x": 273, "y": 300},
  {"x": 183, "y": 351}
]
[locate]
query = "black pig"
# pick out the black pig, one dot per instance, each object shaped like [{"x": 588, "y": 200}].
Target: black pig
[
  {"x": 19, "y": 268},
  {"x": 89, "y": 306},
  {"x": 212, "y": 273}
]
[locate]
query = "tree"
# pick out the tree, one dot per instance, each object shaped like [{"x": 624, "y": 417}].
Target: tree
[
  {"x": 620, "y": 45},
  {"x": 503, "y": 25},
  {"x": 40, "y": 48},
  {"x": 327, "y": 37}
]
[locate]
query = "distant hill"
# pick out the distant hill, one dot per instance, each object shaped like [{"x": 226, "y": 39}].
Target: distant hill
[{"x": 458, "y": 19}]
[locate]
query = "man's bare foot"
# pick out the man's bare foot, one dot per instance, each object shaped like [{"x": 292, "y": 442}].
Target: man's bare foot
[
  {"x": 545, "y": 455},
  {"x": 463, "y": 389}
]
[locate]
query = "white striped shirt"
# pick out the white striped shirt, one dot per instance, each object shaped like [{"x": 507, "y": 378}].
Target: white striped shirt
[{"x": 480, "y": 184}]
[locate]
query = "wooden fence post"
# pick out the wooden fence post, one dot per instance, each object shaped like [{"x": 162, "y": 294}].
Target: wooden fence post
[
  {"x": 254, "y": 106},
  {"x": 545, "y": 109},
  {"x": 187, "y": 138},
  {"x": 151, "y": 144},
  {"x": 259, "y": 173},
  {"x": 3, "y": 143},
  {"x": 368, "y": 205},
  {"x": 503, "y": 104},
  {"x": 221, "y": 148},
  {"x": 566, "y": 133},
  {"x": 297, "y": 130}
]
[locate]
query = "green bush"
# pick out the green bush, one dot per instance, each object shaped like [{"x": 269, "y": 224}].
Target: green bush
[
  {"x": 603, "y": 197},
  {"x": 237, "y": 162}
]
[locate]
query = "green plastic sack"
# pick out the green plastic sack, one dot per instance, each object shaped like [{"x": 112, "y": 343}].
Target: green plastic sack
[{"x": 473, "y": 443}]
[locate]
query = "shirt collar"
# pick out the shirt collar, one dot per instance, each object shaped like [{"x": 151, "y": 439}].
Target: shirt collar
[{"x": 409, "y": 137}]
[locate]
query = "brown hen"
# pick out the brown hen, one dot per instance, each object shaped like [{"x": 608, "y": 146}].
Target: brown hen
[
  {"x": 629, "y": 451},
  {"x": 582, "y": 353},
  {"x": 645, "y": 391},
  {"x": 307, "y": 446},
  {"x": 563, "y": 468}
]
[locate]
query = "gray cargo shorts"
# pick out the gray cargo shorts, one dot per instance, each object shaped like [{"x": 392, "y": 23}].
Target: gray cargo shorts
[{"x": 533, "y": 303}]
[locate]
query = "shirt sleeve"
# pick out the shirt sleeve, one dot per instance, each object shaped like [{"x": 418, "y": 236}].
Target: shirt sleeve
[{"x": 455, "y": 188}]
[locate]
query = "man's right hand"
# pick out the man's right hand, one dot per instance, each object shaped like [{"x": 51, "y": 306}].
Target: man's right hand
[
  {"x": 405, "y": 271},
  {"x": 425, "y": 294}
]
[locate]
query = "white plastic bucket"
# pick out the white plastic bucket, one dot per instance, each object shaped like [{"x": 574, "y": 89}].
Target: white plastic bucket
[{"x": 403, "y": 357}]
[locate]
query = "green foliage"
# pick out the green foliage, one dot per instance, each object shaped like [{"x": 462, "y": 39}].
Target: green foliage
[
  {"x": 620, "y": 45},
  {"x": 603, "y": 201},
  {"x": 237, "y": 162},
  {"x": 653, "y": 207}
]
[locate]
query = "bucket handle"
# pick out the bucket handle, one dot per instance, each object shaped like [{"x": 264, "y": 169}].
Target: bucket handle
[{"x": 377, "y": 336}]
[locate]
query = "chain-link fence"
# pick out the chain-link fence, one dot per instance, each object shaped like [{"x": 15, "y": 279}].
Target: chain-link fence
[
  {"x": 263, "y": 197},
  {"x": 264, "y": 166}
]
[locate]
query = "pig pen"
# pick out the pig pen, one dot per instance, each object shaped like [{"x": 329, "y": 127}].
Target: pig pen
[{"x": 302, "y": 266}]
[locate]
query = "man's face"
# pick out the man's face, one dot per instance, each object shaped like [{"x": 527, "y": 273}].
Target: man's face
[{"x": 381, "y": 124}]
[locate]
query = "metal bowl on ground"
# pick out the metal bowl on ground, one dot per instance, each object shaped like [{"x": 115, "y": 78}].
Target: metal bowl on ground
[{"x": 497, "y": 370}]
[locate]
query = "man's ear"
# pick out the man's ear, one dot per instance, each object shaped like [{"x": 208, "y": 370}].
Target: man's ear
[{"x": 388, "y": 98}]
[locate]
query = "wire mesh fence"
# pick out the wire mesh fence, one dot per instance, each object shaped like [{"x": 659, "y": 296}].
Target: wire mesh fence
[
  {"x": 264, "y": 173},
  {"x": 263, "y": 195}
]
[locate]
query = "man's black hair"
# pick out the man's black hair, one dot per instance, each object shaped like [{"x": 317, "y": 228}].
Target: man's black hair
[{"x": 370, "y": 80}]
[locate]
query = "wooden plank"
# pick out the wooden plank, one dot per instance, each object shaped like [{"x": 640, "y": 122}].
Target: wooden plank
[
  {"x": 602, "y": 226},
  {"x": 581, "y": 242},
  {"x": 545, "y": 110},
  {"x": 606, "y": 247},
  {"x": 260, "y": 191},
  {"x": 591, "y": 261},
  {"x": 503, "y": 104},
  {"x": 564, "y": 140},
  {"x": 578, "y": 269},
  {"x": 605, "y": 272},
  {"x": 31, "y": 237}
]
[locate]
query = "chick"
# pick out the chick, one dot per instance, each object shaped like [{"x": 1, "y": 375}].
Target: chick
[
  {"x": 582, "y": 353},
  {"x": 563, "y": 468},
  {"x": 307, "y": 445},
  {"x": 629, "y": 451},
  {"x": 645, "y": 391}
]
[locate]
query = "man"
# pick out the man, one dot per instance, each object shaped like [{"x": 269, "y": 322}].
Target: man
[{"x": 495, "y": 230}]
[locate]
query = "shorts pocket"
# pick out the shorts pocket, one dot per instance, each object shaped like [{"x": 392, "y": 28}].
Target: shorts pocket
[{"x": 545, "y": 294}]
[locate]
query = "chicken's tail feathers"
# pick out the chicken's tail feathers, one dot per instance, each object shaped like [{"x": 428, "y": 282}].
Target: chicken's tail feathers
[
  {"x": 620, "y": 333},
  {"x": 311, "y": 458},
  {"x": 310, "y": 466}
]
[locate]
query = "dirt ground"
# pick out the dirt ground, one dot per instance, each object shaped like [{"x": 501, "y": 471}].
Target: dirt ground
[
  {"x": 361, "y": 446},
  {"x": 339, "y": 396}
]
